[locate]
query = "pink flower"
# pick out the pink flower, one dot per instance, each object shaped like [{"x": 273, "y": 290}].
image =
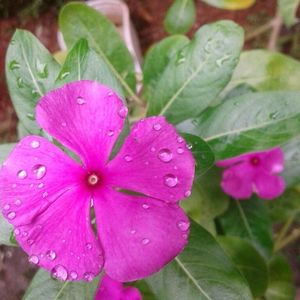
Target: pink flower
[
  {"x": 114, "y": 290},
  {"x": 53, "y": 200},
  {"x": 254, "y": 172}
]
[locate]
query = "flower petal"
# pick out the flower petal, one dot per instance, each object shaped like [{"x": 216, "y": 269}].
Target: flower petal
[
  {"x": 41, "y": 197},
  {"x": 268, "y": 186},
  {"x": 230, "y": 161},
  {"x": 139, "y": 235},
  {"x": 114, "y": 290},
  {"x": 84, "y": 116},
  {"x": 155, "y": 161},
  {"x": 273, "y": 160},
  {"x": 237, "y": 181}
]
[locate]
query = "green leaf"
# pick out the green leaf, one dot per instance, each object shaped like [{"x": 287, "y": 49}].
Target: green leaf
[
  {"x": 84, "y": 63},
  {"x": 77, "y": 20},
  {"x": 202, "y": 271},
  {"x": 5, "y": 149},
  {"x": 265, "y": 70},
  {"x": 288, "y": 9},
  {"x": 249, "y": 219},
  {"x": 180, "y": 16},
  {"x": 202, "y": 153},
  {"x": 251, "y": 122},
  {"x": 230, "y": 4},
  {"x": 30, "y": 73},
  {"x": 44, "y": 287},
  {"x": 145, "y": 290},
  {"x": 281, "y": 280},
  {"x": 207, "y": 200},
  {"x": 157, "y": 59},
  {"x": 197, "y": 74},
  {"x": 249, "y": 262}
]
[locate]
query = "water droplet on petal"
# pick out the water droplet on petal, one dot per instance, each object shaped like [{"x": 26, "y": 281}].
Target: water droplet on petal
[
  {"x": 133, "y": 231},
  {"x": 157, "y": 126},
  {"x": 145, "y": 206},
  {"x": 51, "y": 254},
  {"x": 45, "y": 194},
  {"x": 89, "y": 246},
  {"x": 16, "y": 231},
  {"x": 88, "y": 276},
  {"x": 153, "y": 149},
  {"x": 41, "y": 185},
  {"x": 73, "y": 275},
  {"x": 11, "y": 215},
  {"x": 165, "y": 155},
  {"x": 183, "y": 225},
  {"x": 59, "y": 272},
  {"x": 123, "y": 111},
  {"x": 63, "y": 124},
  {"x": 39, "y": 171},
  {"x": 180, "y": 150},
  {"x": 35, "y": 144},
  {"x": 180, "y": 139},
  {"x": 33, "y": 259},
  {"x": 145, "y": 241},
  {"x": 170, "y": 180},
  {"x": 6, "y": 207},
  {"x": 30, "y": 242},
  {"x": 18, "y": 202},
  {"x": 110, "y": 94},
  {"x": 110, "y": 133},
  {"x": 22, "y": 174},
  {"x": 80, "y": 100},
  {"x": 189, "y": 146},
  {"x": 187, "y": 193},
  {"x": 185, "y": 236},
  {"x": 128, "y": 158}
]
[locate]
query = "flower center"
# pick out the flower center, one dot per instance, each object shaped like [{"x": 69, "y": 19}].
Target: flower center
[
  {"x": 255, "y": 161},
  {"x": 93, "y": 179}
]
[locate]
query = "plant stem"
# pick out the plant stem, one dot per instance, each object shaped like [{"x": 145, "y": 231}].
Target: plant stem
[
  {"x": 284, "y": 230},
  {"x": 288, "y": 240},
  {"x": 277, "y": 24},
  {"x": 260, "y": 30}
]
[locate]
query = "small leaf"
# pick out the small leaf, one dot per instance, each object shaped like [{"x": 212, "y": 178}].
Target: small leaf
[
  {"x": 180, "y": 16},
  {"x": 250, "y": 122},
  {"x": 281, "y": 285},
  {"x": 288, "y": 9},
  {"x": 44, "y": 287},
  {"x": 145, "y": 290},
  {"x": 249, "y": 219},
  {"x": 197, "y": 74},
  {"x": 30, "y": 72},
  {"x": 248, "y": 260},
  {"x": 77, "y": 21},
  {"x": 230, "y": 4},
  {"x": 202, "y": 271}
]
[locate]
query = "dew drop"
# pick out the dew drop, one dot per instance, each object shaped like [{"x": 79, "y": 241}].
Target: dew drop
[
  {"x": 128, "y": 158},
  {"x": 180, "y": 150},
  {"x": 39, "y": 171},
  {"x": 123, "y": 111},
  {"x": 11, "y": 215},
  {"x": 45, "y": 194},
  {"x": 30, "y": 242},
  {"x": 133, "y": 231},
  {"x": 110, "y": 94},
  {"x": 41, "y": 185},
  {"x": 221, "y": 60},
  {"x": 64, "y": 75},
  {"x": 165, "y": 155},
  {"x": 18, "y": 202},
  {"x": 88, "y": 276},
  {"x": 20, "y": 82},
  {"x": 42, "y": 70},
  {"x": 187, "y": 193},
  {"x": 22, "y": 174},
  {"x": 35, "y": 144},
  {"x": 16, "y": 231},
  {"x": 145, "y": 206},
  {"x": 184, "y": 226},
  {"x": 157, "y": 126},
  {"x": 171, "y": 180},
  {"x": 51, "y": 255},
  {"x": 152, "y": 149},
  {"x": 59, "y": 272},
  {"x": 33, "y": 259},
  {"x": 6, "y": 207},
  {"x": 185, "y": 236},
  {"x": 73, "y": 275},
  {"x": 13, "y": 65},
  {"x": 274, "y": 115},
  {"x": 145, "y": 241},
  {"x": 180, "y": 139},
  {"x": 64, "y": 124},
  {"x": 110, "y": 133},
  {"x": 80, "y": 100},
  {"x": 30, "y": 116},
  {"x": 89, "y": 246}
]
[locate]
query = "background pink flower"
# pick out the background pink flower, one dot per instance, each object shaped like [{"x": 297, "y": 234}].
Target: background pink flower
[
  {"x": 48, "y": 196},
  {"x": 254, "y": 173}
]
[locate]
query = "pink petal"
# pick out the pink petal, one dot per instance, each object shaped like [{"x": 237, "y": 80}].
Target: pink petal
[
  {"x": 84, "y": 116},
  {"x": 273, "y": 160},
  {"x": 155, "y": 161},
  {"x": 231, "y": 161},
  {"x": 237, "y": 181},
  {"x": 139, "y": 235},
  {"x": 114, "y": 290},
  {"x": 268, "y": 186},
  {"x": 41, "y": 196}
]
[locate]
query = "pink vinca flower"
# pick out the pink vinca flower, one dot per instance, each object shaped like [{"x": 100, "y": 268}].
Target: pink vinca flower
[
  {"x": 254, "y": 172},
  {"x": 114, "y": 290},
  {"x": 48, "y": 196}
]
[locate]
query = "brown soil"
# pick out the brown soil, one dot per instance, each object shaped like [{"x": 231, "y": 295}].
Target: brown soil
[{"x": 147, "y": 16}]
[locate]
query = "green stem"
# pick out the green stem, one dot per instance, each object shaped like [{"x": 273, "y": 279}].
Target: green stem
[
  {"x": 295, "y": 235},
  {"x": 284, "y": 230}
]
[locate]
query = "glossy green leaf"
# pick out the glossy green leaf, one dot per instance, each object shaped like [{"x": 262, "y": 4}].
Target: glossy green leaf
[
  {"x": 30, "y": 72},
  {"x": 157, "y": 59},
  {"x": 203, "y": 155},
  {"x": 249, "y": 219},
  {"x": 288, "y": 10},
  {"x": 230, "y": 4},
  {"x": 77, "y": 20},
  {"x": 84, "y": 63},
  {"x": 145, "y": 290},
  {"x": 45, "y": 287},
  {"x": 281, "y": 280},
  {"x": 249, "y": 262},
  {"x": 197, "y": 74},
  {"x": 251, "y": 122},
  {"x": 265, "y": 70},
  {"x": 5, "y": 149},
  {"x": 207, "y": 200},
  {"x": 202, "y": 271},
  {"x": 180, "y": 16}
]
